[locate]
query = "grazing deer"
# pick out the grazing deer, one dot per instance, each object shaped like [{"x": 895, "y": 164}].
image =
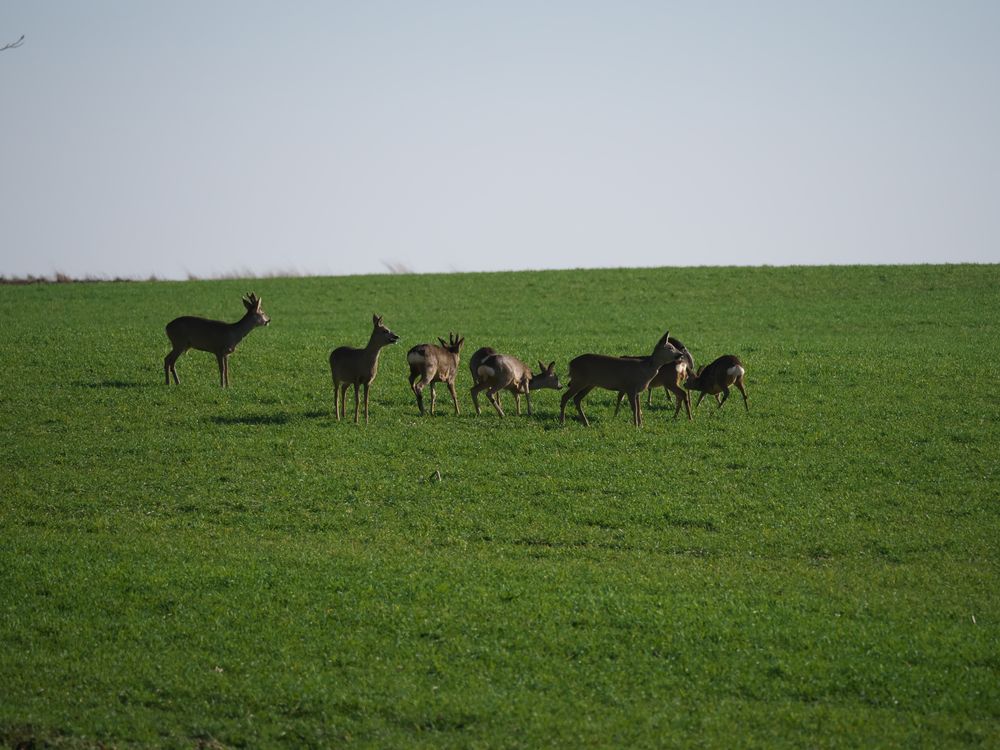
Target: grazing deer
[
  {"x": 213, "y": 336},
  {"x": 671, "y": 376},
  {"x": 350, "y": 366},
  {"x": 631, "y": 376},
  {"x": 430, "y": 364},
  {"x": 716, "y": 378},
  {"x": 501, "y": 371}
]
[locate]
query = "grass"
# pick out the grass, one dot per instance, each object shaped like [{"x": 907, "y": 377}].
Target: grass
[{"x": 193, "y": 567}]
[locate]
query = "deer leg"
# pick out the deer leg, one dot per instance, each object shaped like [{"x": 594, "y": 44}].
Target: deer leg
[
  {"x": 517, "y": 402},
  {"x": 343, "y": 400},
  {"x": 336, "y": 400},
  {"x": 475, "y": 396},
  {"x": 618, "y": 403},
  {"x": 578, "y": 400},
  {"x": 225, "y": 368},
  {"x": 493, "y": 394},
  {"x": 739, "y": 384},
  {"x": 562, "y": 404},
  {"x": 454, "y": 396},
  {"x": 700, "y": 397},
  {"x": 168, "y": 364},
  {"x": 355, "y": 403},
  {"x": 220, "y": 358},
  {"x": 418, "y": 391},
  {"x": 527, "y": 400},
  {"x": 681, "y": 397},
  {"x": 725, "y": 395},
  {"x": 494, "y": 398},
  {"x": 433, "y": 399},
  {"x": 649, "y": 396},
  {"x": 635, "y": 401},
  {"x": 367, "y": 385}
]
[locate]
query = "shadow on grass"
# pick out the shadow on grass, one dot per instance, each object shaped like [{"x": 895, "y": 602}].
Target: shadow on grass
[
  {"x": 253, "y": 419},
  {"x": 110, "y": 384}
]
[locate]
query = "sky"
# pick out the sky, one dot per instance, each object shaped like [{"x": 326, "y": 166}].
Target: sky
[{"x": 211, "y": 138}]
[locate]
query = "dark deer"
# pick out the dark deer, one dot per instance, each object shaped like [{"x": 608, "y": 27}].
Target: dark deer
[
  {"x": 716, "y": 378},
  {"x": 213, "y": 336},
  {"x": 350, "y": 366},
  {"x": 630, "y": 376},
  {"x": 430, "y": 364}
]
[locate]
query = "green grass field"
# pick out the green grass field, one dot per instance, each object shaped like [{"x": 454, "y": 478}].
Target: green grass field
[{"x": 193, "y": 567}]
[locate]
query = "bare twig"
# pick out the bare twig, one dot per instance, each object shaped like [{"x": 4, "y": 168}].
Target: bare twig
[{"x": 13, "y": 45}]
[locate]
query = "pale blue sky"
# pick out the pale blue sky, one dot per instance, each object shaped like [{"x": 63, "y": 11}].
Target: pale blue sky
[{"x": 323, "y": 137}]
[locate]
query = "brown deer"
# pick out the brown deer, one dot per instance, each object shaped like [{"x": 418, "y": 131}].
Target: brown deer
[
  {"x": 631, "y": 376},
  {"x": 350, "y": 366},
  {"x": 497, "y": 372},
  {"x": 430, "y": 364},
  {"x": 715, "y": 378},
  {"x": 671, "y": 376},
  {"x": 213, "y": 336}
]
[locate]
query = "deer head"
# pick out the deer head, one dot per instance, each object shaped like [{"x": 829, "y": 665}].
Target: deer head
[
  {"x": 381, "y": 333},
  {"x": 546, "y": 377},
  {"x": 252, "y": 303}
]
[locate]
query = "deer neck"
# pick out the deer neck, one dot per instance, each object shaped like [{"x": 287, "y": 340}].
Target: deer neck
[
  {"x": 374, "y": 348},
  {"x": 240, "y": 329}
]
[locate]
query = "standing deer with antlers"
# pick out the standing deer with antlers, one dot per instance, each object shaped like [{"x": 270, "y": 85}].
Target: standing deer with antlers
[
  {"x": 350, "y": 366},
  {"x": 631, "y": 376},
  {"x": 493, "y": 372},
  {"x": 430, "y": 364},
  {"x": 215, "y": 336}
]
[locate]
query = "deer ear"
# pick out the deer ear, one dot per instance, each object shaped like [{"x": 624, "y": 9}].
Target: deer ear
[
  {"x": 376, "y": 319},
  {"x": 552, "y": 366},
  {"x": 541, "y": 366},
  {"x": 461, "y": 341}
]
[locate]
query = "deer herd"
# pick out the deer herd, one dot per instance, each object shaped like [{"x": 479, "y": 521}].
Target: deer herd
[{"x": 669, "y": 364}]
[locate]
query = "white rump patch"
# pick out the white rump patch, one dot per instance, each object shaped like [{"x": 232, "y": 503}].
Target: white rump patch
[
  {"x": 736, "y": 371},
  {"x": 486, "y": 372},
  {"x": 415, "y": 358}
]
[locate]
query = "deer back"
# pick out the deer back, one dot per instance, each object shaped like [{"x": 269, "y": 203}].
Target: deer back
[{"x": 505, "y": 371}]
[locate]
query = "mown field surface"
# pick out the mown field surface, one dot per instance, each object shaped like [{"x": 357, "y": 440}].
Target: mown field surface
[{"x": 193, "y": 567}]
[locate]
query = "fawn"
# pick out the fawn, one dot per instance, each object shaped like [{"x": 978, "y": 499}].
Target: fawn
[
  {"x": 350, "y": 366},
  {"x": 189, "y": 332}
]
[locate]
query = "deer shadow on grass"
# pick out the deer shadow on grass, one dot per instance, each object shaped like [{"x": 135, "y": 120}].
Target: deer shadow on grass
[
  {"x": 253, "y": 419},
  {"x": 115, "y": 384}
]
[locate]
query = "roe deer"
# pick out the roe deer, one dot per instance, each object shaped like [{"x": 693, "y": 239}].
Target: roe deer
[
  {"x": 350, "y": 366},
  {"x": 631, "y": 376},
  {"x": 716, "y": 378},
  {"x": 671, "y": 376},
  {"x": 499, "y": 371},
  {"x": 430, "y": 364},
  {"x": 213, "y": 336}
]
